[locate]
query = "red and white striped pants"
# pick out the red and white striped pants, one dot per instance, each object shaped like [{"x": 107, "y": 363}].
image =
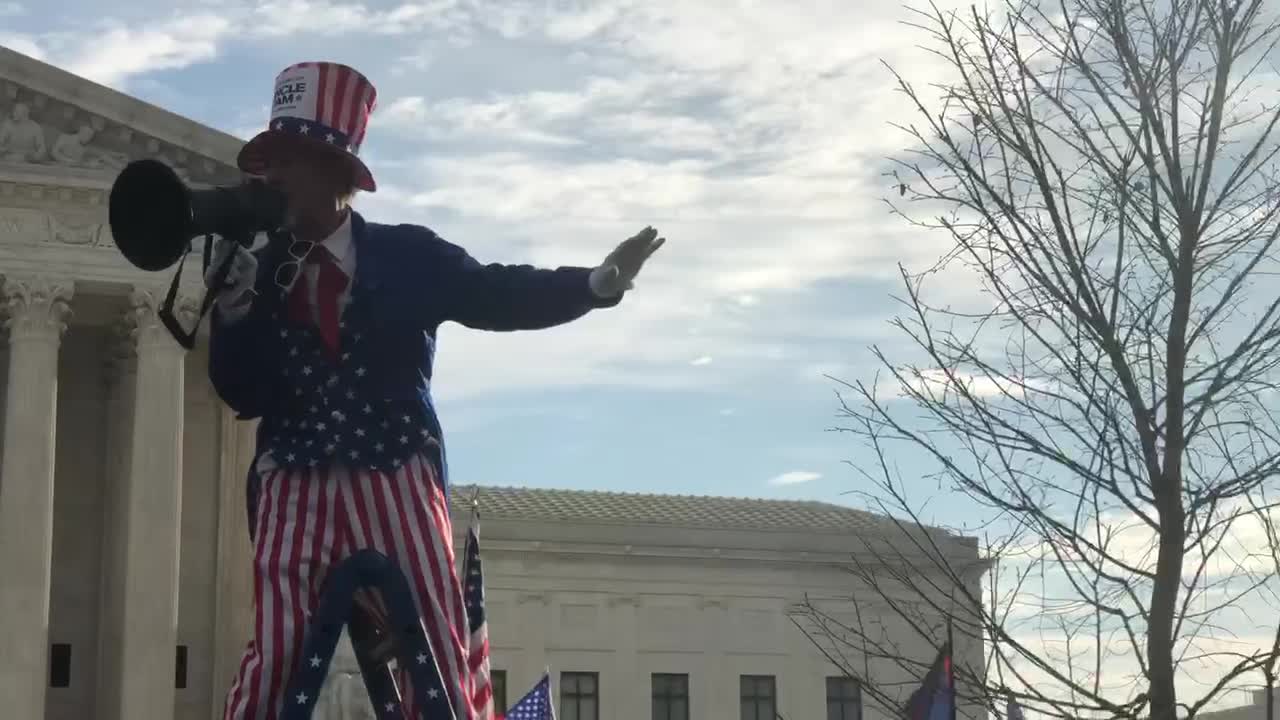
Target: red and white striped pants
[{"x": 308, "y": 521}]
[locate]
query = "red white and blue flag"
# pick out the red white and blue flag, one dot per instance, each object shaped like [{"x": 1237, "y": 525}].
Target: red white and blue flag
[
  {"x": 477, "y": 622},
  {"x": 935, "y": 699},
  {"x": 535, "y": 705}
]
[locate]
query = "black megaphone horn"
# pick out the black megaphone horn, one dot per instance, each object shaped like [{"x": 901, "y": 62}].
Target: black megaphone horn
[{"x": 154, "y": 216}]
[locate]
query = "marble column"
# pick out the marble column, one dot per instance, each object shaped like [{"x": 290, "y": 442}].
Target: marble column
[
  {"x": 233, "y": 604},
  {"x": 152, "y": 503},
  {"x": 38, "y": 309},
  {"x": 119, "y": 377}
]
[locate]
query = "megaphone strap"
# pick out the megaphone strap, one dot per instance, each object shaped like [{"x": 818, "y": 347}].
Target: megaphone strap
[{"x": 187, "y": 338}]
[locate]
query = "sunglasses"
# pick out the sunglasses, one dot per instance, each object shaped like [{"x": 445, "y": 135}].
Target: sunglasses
[{"x": 287, "y": 271}]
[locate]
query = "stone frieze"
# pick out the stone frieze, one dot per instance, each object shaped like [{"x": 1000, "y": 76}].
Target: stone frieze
[{"x": 40, "y": 133}]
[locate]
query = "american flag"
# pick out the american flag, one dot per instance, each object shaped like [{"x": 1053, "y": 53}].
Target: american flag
[
  {"x": 478, "y": 624},
  {"x": 536, "y": 705}
]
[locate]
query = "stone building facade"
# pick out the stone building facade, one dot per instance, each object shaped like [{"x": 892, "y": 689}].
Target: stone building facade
[{"x": 124, "y": 552}]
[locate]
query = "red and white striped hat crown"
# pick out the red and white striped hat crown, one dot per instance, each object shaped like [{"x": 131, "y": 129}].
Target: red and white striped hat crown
[{"x": 326, "y": 104}]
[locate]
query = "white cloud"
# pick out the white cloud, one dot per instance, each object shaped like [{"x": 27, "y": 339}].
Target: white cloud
[
  {"x": 24, "y": 44},
  {"x": 280, "y": 18},
  {"x": 795, "y": 477},
  {"x": 111, "y": 50},
  {"x": 700, "y": 361},
  {"x": 1227, "y": 609},
  {"x": 1212, "y": 657},
  {"x": 453, "y": 119},
  {"x": 1238, "y": 544},
  {"x": 120, "y": 51},
  {"x": 939, "y": 385}
]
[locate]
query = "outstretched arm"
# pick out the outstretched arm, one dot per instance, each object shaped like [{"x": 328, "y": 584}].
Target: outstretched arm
[{"x": 511, "y": 297}]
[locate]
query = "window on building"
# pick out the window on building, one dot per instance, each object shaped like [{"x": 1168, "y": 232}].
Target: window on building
[
  {"x": 759, "y": 694},
  {"x": 844, "y": 699},
  {"x": 60, "y": 665},
  {"x": 498, "y": 681},
  {"x": 670, "y": 696},
  {"x": 180, "y": 669},
  {"x": 579, "y": 696}
]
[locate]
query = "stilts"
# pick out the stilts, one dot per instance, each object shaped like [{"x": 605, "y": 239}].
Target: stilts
[{"x": 405, "y": 644}]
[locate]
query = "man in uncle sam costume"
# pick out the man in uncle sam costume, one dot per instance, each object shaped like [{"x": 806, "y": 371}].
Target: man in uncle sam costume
[{"x": 327, "y": 334}]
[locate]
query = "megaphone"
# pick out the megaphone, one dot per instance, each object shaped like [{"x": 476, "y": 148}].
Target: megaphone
[{"x": 154, "y": 215}]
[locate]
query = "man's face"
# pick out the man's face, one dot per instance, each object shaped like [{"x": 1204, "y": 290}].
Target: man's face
[{"x": 311, "y": 183}]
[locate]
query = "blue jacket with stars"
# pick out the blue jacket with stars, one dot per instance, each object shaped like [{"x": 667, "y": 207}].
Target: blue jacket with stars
[{"x": 408, "y": 281}]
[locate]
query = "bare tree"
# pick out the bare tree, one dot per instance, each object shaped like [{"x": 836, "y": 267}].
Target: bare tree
[{"x": 1106, "y": 172}]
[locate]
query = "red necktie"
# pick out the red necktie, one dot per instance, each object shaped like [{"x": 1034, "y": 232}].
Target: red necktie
[{"x": 329, "y": 286}]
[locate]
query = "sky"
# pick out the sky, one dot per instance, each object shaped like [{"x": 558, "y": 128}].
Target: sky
[{"x": 752, "y": 135}]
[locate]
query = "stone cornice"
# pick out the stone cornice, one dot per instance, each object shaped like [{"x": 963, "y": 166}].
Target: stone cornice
[
  {"x": 871, "y": 609},
  {"x": 81, "y": 115},
  {"x": 545, "y": 552},
  {"x": 793, "y": 549}
]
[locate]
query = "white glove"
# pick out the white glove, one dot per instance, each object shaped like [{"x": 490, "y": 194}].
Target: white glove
[
  {"x": 618, "y": 271},
  {"x": 234, "y": 301}
]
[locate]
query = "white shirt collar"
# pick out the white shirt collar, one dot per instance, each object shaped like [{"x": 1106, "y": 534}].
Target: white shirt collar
[{"x": 339, "y": 242}]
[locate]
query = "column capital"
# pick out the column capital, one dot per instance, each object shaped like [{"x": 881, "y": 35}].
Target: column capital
[
  {"x": 143, "y": 317},
  {"x": 37, "y": 306}
]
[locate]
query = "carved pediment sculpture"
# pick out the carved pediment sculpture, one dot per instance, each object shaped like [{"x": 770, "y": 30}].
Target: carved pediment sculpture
[
  {"x": 37, "y": 130},
  {"x": 73, "y": 148},
  {"x": 21, "y": 138}
]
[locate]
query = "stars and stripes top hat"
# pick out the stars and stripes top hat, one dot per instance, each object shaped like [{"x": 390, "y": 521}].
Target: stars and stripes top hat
[{"x": 326, "y": 106}]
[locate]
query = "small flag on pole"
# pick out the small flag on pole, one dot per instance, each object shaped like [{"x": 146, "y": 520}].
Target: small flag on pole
[
  {"x": 535, "y": 705},
  {"x": 477, "y": 622},
  {"x": 935, "y": 698}
]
